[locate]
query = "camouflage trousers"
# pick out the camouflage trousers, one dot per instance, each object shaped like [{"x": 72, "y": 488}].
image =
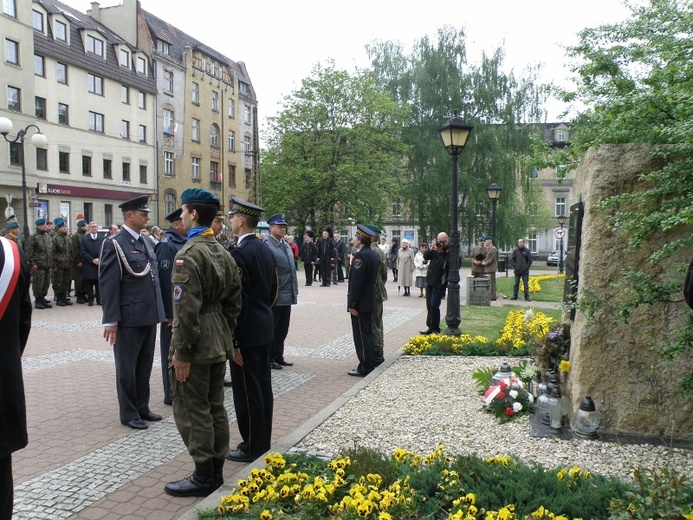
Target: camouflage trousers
[
  {"x": 41, "y": 281},
  {"x": 378, "y": 333},
  {"x": 62, "y": 280}
]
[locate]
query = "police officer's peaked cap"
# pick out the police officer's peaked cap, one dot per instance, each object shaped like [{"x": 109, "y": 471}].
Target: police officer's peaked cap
[
  {"x": 40, "y": 221},
  {"x": 136, "y": 204},
  {"x": 175, "y": 215},
  {"x": 59, "y": 222},
  {"x": 279, "y": 218},
  {"x": 10, "y": 217},
  {"x": 12, "y": 225},
  {"x": 245, "y": 207},
  {"x": 193, "y": 195},
  {"x": 220, "y": 215},
  {"x": 363, "y": 231},
  {"x": 81, "y": 223}
]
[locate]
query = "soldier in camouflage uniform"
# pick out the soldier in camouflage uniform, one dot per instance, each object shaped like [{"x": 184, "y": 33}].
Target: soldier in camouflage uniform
[
  {"x": 63, "y": 257},
  {"x": 5, "y": 231},
  {"x": 206, "y": 305},
  {"x": 39, "y": 251},
  {"x": 377, "y": 326},
  {"x": 77, "y": 273},
  {"x": 13, "y": 233}
]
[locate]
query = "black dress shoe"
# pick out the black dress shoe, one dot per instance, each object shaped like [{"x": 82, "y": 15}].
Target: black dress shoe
[
  {"x": 136, "y": 424},
  {"x": 240, "y": 456},
  {"x": 91, "y": 303},
  {"x": 228, "y": 383},
  {"x": 285, "y": 363},
  {"x": 275, "y": 366},
  {"x": 151, "y": 416},
  {"x": 355, "y": 372},
  {"x": 425, "y": 332}
]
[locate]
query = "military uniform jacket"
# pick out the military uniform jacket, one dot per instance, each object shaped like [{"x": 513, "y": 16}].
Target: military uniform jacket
[
  {"x": 259, "y": 289},
  {"x": 491, "y": 260},
  {"x": 39, "y": 250},
  {"x": 77, "y": 245},
  {"x": 130, "y": 299},
  {"x": 381, "y": 280},
  {"x": 63, "y": 251},
  {"x": 206, "y": 302},
  {"x": 166, "y": 251},
  {"x": 477, "y": 251},
  {"x": 286, "y": 272},
  {"x": 362, "y": 281},
  {"x": 89, "y": 249}
]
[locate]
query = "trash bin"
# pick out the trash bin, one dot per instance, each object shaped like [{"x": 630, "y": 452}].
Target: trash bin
[
  {"x": 501, "y": 265},
  {"x": 479, "y": 290}
]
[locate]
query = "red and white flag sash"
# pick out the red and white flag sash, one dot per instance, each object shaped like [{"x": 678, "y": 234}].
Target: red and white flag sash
[{"x": 9, "y": 274}]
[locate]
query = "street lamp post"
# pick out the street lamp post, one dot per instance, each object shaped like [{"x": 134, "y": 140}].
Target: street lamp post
[
  {"x": 39, "y": 141},
  {"x": 454, "y": 134},
  {"x": 561, "y": 222},
  {"x": 494, "y": 193}
]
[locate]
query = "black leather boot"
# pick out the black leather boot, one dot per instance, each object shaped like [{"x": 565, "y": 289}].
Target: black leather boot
[
  {"x": 218, "y": 472},
  {"x": 46, "y": 303},
  {"x": 38, "y": 304},
  {"x": 199, "y": 484},
  {"x": 60, "y": 300},
  {"x": 66, "y": 300}
]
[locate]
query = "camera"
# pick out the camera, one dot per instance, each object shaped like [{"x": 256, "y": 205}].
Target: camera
[{"x": 439, "y": 244}]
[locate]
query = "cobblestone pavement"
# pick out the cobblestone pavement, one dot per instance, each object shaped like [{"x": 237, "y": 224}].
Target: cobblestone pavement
[{"x": 82, "y": 463}]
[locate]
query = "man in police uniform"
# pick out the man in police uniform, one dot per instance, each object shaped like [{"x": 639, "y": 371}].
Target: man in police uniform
[
  {"x": 166, "y": 250},
  {"x": 377, "y": 326},
  {"x": 361, "y": 300},
  {"x": 254, "y": 335},
  {"x": 132, "y": 308},
  {"x": 39, "y": 251},
  {"x": 207, "y": 302}
]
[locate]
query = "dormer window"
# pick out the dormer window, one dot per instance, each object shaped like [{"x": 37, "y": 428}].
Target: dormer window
[
  {"x": 141, "y": 65},
  {"x": 94, "y": 45},
  {"x": 560, "y": 134},
  {"x": 37, "y": 21},
  {"x": 124, "y": 57},
  {"x": 163, "y": 47},
  {"x": 60, "y": 30}
]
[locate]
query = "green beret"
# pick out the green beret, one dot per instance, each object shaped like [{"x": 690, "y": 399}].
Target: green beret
[
  {"x": 375, "y": 229},
  {"x": 40, "y": 221},
  {"x": 59, "y": 222},
  {"x": 81, "y": 223},
  {"x": 13, "y": 225},
  {"x": 192, "y": 195}
]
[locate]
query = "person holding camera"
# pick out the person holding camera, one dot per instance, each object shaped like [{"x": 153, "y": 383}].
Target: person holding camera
[{"x": 436, "y": 281}]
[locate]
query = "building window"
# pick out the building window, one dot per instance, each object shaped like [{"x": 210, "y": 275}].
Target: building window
[
  {"x": 232, "y": 141},
  {"x": 397, "y": 208},
  {"x": 15, "y": 154},
  {"x": 94, "y": 45},
  {"x": 11, "y": 52},
  {"x": 95, "y": 84},
  {"x": 168, "y": 81},
  {"x": 108, "y": 214},
  {"x": 40, "y": 107},
  {"x": 248, "y": 178},
  {"x": 141, "y": 65},
  {"x": 142, "y": 100},
  {"x": 244, "y": 88},
  {"x": 214, "y": 135},
  {"x": 247, "y": 148},
  {"x": 232, "y": 108},
  {"x": 126, "y": 171},
  {"x": 168, "y": 164},
  {"x": 195, "y": 94},
  {"x": 215, "y": 101},
  {"x": 63, "y": 114},
  {"x": 214, "y": 174},
  {"x": 95, "y": 122},
  {"x": 125, "y": 94},
  {"x": 124, "y": 58},
  {"x": 88, "y": 211},
  {"x": 195, "y": 130},
  {"x": 246, "y": 114},
  {"x": 61, "y": 73},
  {"x": 196, "y": 169},
  {"x": 125, "y": 129},
  {"x": 107, "y": 169},
  {"x": 64, "y": 162},
  {"x": 41, "y": 159},
  {"x": 232, "y": 175},
  {"x": 39, "y": 65},
  {"x": 560, "y": 206},
  {"x": 86, "y": 166},
  {"x": 560, "y": 135},
  {"x": 37, "y": 21},
  {"x": 170, "y": 202},
  {"x": 163, "y": 47},
  {"x": 532, "y": 242},
  {"x": 168, "y": 121},
  {"x": 9, "y": 8},
  {"x": 14, "y": 99},
  {"x": 60, "y": 31},
  {"x": 142, "y": 134},
  {"x": 143, "y": 174}
]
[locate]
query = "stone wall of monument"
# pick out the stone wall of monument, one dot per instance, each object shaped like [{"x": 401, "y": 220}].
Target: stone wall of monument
[{"x": 611, "y": 361}]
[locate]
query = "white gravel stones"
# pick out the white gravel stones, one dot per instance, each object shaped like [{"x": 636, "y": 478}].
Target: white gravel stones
[{"x": 421, "y": 402}]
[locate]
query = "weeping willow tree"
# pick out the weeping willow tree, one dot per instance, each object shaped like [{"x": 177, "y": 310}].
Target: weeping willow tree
[{"x": 433, "y": 80}]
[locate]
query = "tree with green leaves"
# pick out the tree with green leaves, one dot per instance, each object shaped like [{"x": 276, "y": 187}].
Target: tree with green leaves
[
  {"x": 433, "y": 80},
  {"x": 635, "y": 79},
  {"x": 334, "y": 152}
]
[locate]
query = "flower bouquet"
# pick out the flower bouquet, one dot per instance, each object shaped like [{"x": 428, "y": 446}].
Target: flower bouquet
[{"x": 508, "y": 399}]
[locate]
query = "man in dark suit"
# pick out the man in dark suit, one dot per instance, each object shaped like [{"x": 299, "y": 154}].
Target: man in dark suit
[
  {"x": 90, "y": 251},
  {"x": 326, "y": 256},
  {"x": 254, "y": 335},
  {"x": 166, "y": 250},
  {"x": 308, "y": 250},
  {"x": 15, "y": 323},
  {"x": 132, "y": 308},
  {"x": 361, "y": 299},
  {"x": 340, "y": 251}
]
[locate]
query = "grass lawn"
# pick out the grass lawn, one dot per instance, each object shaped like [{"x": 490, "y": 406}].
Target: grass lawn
[
  {"x": 488, "y": 321},
  {"x": 551, "y": 290}
]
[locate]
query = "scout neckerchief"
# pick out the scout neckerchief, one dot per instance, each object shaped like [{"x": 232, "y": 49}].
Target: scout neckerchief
[{"x": 9, "y": 273}]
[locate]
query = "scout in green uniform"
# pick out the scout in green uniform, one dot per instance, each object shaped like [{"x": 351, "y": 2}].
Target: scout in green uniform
[
  {"x": 206, "y": 304},
  {"x": 39, "y": 251},
  {"x": 5, "y": 231},
  {"x": 13, "y": 233},
  {"x": 63, "y": 256}
]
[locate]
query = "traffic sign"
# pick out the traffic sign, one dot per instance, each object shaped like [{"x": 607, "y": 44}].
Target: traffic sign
[{"x": 559, "y": 233}]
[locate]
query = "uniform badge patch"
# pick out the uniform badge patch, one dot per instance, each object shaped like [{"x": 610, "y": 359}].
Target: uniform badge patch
[
  {"x": 178, "y": 293},
  {"x": 358, "y": 263},
  {"x": 165, "y": 264},
  {"x": 179, "y": 263}
]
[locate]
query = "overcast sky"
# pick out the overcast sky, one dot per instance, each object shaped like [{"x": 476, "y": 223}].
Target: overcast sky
[{"x": 281, "y": 40}]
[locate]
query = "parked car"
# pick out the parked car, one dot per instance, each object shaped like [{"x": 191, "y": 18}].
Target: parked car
[{"x": 552, "y": 259}]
